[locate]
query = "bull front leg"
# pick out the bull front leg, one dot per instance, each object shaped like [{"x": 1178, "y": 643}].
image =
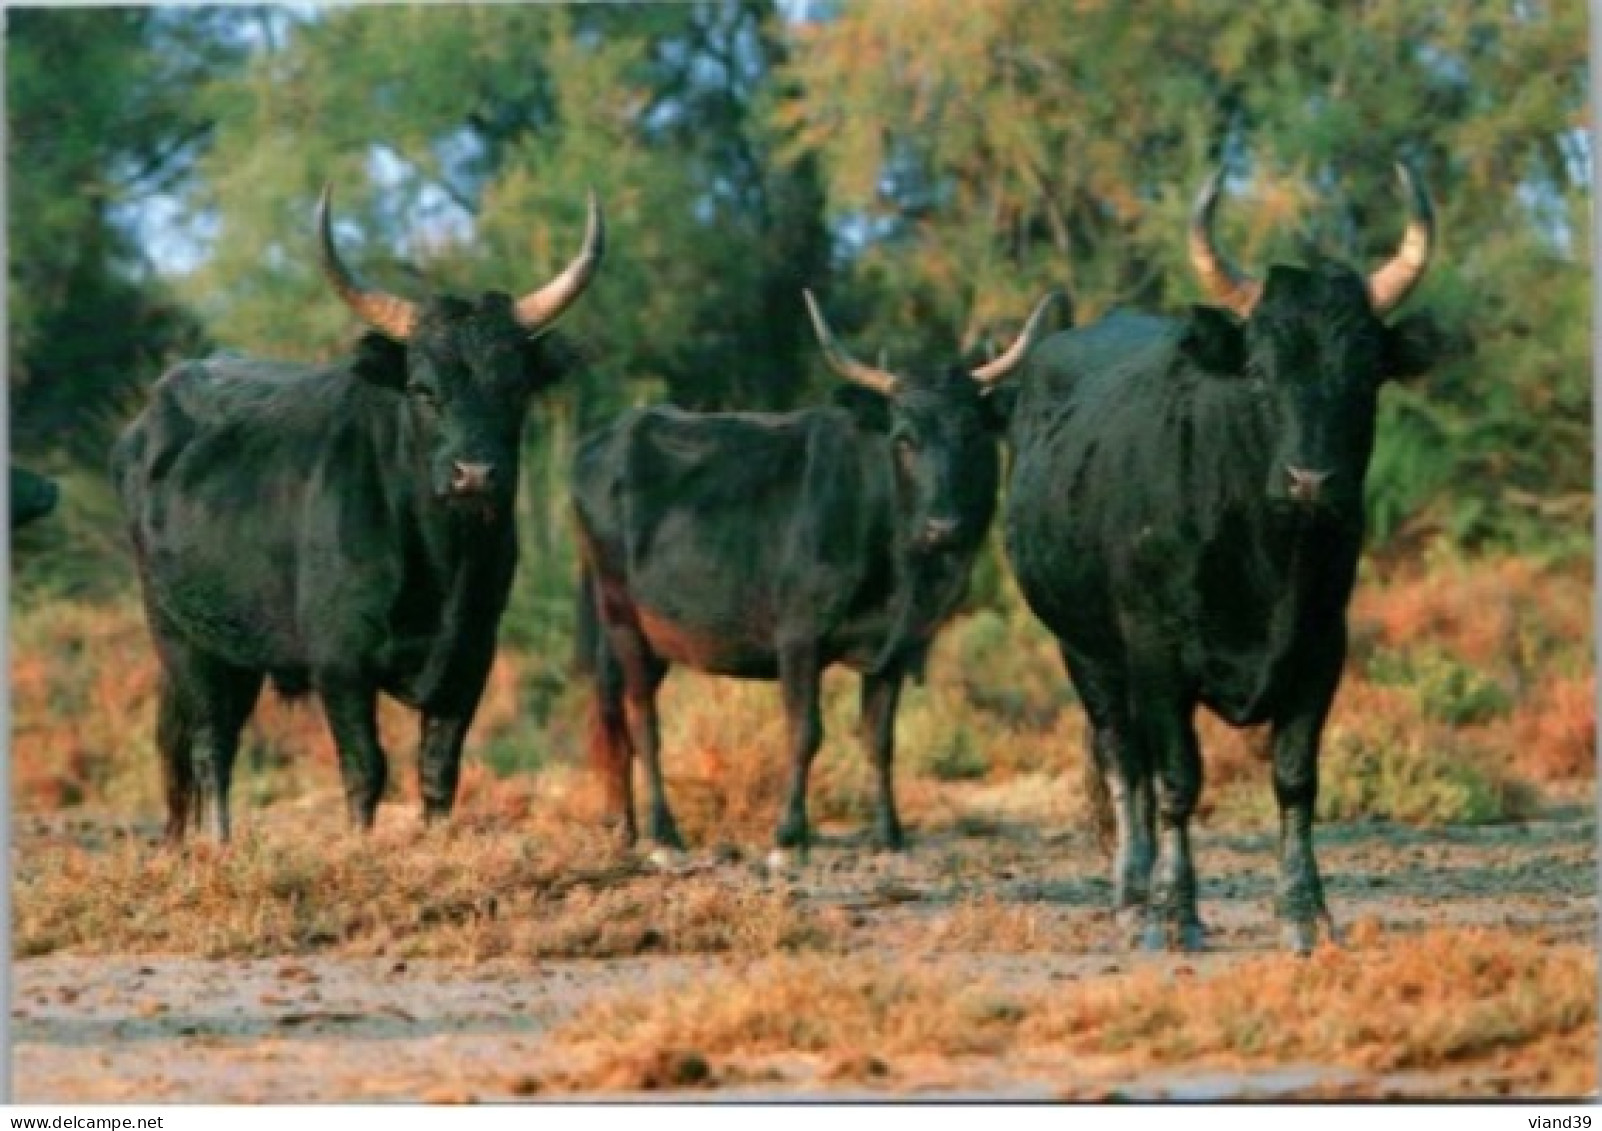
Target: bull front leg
[
  {"x": 447, "y": 716},
  {"x": 1300, "y": 905},
  {"x": 880, "y": 696},
  {"x": 350, "y": 704}
]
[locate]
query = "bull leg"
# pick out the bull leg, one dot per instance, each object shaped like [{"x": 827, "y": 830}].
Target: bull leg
[
  {"x": 799, "y": 679},
  {"x": 204, "y": 706},
  {"x": 444, "y": 731},
  {"x": 1118, "y": 780},
  {"x": 1300, "y": 905},
  {"x": 611, "y": 748},
  {"x": 350, "y": 705},
  {"x": 643, "y": 673},
  {"x": 177, "y": 764},
  {"x": 880, "y": 696},
  {"x": 439, "y": 762},
  {"x": 1164, "y": 728},
  {"x": 1127, "y": 779}
]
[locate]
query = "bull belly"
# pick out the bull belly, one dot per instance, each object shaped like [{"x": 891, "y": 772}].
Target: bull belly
[
  {"x": 708, "y": 650},
  {"x": 253, "y": 634},
  {"x": 1240, "y": 689}
]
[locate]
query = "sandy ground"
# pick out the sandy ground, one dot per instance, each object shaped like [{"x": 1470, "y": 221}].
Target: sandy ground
[{"x": 304, "y": 1028}]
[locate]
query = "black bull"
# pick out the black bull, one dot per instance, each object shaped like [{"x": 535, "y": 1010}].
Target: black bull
[
  {"x": 345, "y": 527},
  {"x": 1185, "y": 514},
  {"x": 768, "y": 546}
]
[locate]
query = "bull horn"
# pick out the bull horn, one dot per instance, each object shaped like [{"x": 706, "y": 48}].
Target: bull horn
[
  {"x": 1225, "y": 284},
  {"x": 993, "y": 371},
  {"x": 879, "y": 380},
  {"x": 395, "y": 317},
  {"x": 545, "y": 305},
  {"x": 1389, "y": 285}
]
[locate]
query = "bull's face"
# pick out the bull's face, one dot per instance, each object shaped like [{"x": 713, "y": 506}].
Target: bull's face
[
  {"x": 943, "y": 446},
  {"x": 468, "y": 376},
  {"x": 1315, "y": 349},
  {"x": 466, "y": 370},
  {"x": 942, "y": 437},
  {"x": 1317, "y": 354}
]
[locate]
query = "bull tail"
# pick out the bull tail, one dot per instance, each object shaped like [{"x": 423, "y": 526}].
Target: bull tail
[
  {"x": 174, "y": 736},
  {"x": 586, "y": 627},
  {"x": 611, "y": 751}
]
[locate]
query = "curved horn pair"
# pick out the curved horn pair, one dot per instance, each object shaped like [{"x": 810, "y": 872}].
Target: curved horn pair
[
  {"x": 397, "y": 317},
  {"x": 881, "y": 380},
  {"x": 1232, "y": 288}
]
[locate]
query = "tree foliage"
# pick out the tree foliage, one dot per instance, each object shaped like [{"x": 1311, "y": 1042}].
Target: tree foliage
[
  {"x": 1013, "y": 145},
  {"x": 100, "y": 124},
  {"x": 929, "y": 168}
]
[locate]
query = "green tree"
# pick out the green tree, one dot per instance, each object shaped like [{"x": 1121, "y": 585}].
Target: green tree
[
  {"x": 100, "y": 125},
  {"x": 995, "y": 148}
]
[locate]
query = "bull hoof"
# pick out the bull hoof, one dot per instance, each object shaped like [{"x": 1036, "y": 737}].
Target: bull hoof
[
  {"x": 1301, "y": 936},
  {"x": 435, "y": 813},
  {"x": 1130, "y": 925},
  {"x": 784, "y": 859},
  {"x": 1159, "y": 936},
  {"x": 667, "y": 859}
]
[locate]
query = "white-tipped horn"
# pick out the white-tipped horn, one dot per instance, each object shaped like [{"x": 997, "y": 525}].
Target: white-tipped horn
[
  {"x": 393, "y": 316},
  {"x": 879, "y": 380},
  {"x": 1225, "y": 284},
  {"x": 1390, "y": 284},
  {"x": 544, "y": 306},
  {"x": 992, "y": 371}
]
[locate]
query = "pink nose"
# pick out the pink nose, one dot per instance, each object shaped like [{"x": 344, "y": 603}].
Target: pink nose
[
  {"x": 471, "y": 478},
  {"x": 939, "y": 531},
  {"x": 1305, "y": 485}
]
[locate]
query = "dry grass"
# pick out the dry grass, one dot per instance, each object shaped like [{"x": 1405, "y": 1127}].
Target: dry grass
[
  {"x": 499, "y": 881},
  {"x": 987, "y": 925},
  {"x": 1424, "y": 1002}
]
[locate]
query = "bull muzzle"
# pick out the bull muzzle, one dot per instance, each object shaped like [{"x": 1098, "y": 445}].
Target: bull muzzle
[
  {"x": 1305, "y": 485},
  {"x": 939, "y": 533},
  {"x": 471, "y": 480}
]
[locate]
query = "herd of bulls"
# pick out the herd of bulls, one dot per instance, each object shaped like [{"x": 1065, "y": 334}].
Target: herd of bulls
[{"x": 1184, "y": 513}]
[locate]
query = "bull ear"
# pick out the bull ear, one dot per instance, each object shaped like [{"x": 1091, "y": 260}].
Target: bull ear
[
  {"x": 1212, "y": 340},
  {"x": 1412, "y": 347},
  {"x": 870, "y": 409},
  {"x": 996, "y": 405},
  {"x": 380, "y": 361},
  {"x": 547, "y": 358}
]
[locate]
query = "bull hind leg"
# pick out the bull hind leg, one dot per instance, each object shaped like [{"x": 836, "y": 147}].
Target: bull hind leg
[
  {"x": 177, "y": 765},
  {"x": 1163, "y": 726},
  {"x": 350, "y": 705},
  {"x": 1118, "y": 783},
  {"x": 643, "y": 673},
  {"x": 610, "y": 747},
  {"x": 799, "y": 677},
  {"x": 880, "y": 696},
  {"x": 204, "y": 705}
]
